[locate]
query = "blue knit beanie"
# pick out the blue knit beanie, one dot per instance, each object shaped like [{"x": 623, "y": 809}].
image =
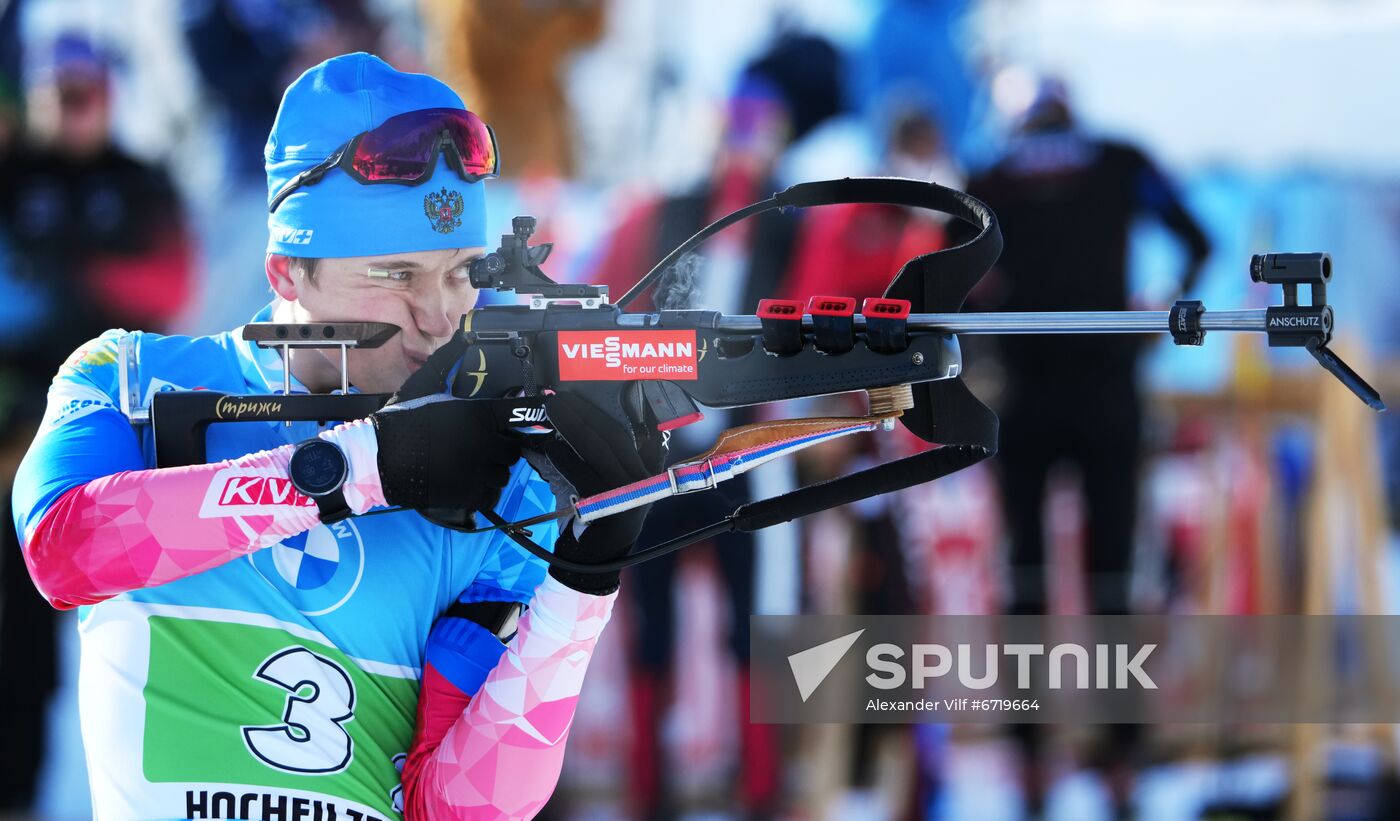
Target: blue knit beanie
[{"x": 339, "y": 217}]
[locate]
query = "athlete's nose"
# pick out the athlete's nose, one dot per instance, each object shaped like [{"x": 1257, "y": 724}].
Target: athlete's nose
[{"x": 435, "y": 313}]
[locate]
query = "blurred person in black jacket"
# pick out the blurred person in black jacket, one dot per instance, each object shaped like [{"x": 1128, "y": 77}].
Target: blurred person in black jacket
[
  {"x": 101, "y": 232},
  {"x": 93, "y": 239},
  {"x": 1067, "y": 202}
]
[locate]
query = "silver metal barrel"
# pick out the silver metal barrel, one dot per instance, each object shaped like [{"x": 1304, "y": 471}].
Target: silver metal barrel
[{"x": 1041, "y": 322}]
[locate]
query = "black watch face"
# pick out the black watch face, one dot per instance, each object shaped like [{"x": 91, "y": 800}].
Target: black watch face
[{"x": 317, "y": 468}]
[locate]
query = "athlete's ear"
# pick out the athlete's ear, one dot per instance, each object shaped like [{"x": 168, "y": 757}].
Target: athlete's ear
[{"x": 279, "y": 276}]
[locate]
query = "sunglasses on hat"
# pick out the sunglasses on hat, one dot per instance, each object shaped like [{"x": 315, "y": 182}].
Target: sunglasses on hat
[{"x": 403, "y": 150}]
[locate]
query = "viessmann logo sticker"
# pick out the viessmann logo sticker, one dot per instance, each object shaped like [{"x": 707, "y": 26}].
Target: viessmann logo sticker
[{"x": 608, "y": 355}]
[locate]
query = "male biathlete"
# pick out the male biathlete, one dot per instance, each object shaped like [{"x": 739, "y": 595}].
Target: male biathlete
[{"x": 251, "y": 649}]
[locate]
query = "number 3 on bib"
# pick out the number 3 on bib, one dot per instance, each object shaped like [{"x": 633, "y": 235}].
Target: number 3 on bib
[{"x": 311, "y": 738}]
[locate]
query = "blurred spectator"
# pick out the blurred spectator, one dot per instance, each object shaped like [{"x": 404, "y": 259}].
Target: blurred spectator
[
  {"x": 779, "y": 98},
  {"x": 242, "y": 57},
  {"x": 1067, "y": 202},
  {"x": 856, "y": 250},
  {"x": 102, "y": 232},
  {"x": 247, "y": 51},
  {"x": 915, "y": 52},
  {"x": 93, "y": 239},
  {"x": 506, "y": 58}
]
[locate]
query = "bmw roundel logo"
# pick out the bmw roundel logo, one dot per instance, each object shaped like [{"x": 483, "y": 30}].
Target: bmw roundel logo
[
  {"x": 317, "y": 570},
  {"x": 307, "y": 560}
]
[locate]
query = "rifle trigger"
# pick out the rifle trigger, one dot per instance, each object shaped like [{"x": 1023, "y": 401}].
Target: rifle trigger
[{"x": 670, "y": 406}]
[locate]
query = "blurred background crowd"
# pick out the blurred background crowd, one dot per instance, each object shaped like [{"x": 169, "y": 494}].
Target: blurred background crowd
[{"x": 1136, "y": 153}]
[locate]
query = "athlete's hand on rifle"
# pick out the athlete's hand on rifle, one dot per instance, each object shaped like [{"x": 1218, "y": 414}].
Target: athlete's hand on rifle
[
  {"x": 595, "y": 453},
  {"x": 440, "y": 453}
]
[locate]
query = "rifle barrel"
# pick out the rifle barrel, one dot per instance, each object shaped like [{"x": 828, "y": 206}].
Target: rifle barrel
[{"x": 1040, "y": 322}]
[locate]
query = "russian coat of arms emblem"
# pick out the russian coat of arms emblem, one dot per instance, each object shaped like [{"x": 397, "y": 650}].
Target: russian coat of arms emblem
[{"x": 444, "y": 210}]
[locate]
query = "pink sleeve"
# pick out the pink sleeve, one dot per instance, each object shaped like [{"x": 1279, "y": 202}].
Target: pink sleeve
[
  {"x": 144, "y": 528},
  {"x": 500, "y": 757}
]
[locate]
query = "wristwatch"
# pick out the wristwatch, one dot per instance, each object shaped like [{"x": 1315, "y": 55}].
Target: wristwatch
[{"x": 318, "y": 470}]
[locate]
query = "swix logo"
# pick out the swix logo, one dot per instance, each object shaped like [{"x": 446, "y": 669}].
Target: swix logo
[
  {"x": 627, "y": 355},
  {"x": 530, "y": 415},
  {"x": 260, "y": 490}
]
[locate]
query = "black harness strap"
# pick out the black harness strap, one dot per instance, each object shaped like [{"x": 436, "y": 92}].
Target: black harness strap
[{"x": 945, "y": 276}]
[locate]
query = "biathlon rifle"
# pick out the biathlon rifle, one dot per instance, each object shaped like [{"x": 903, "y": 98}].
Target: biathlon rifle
[{"x": 657, "y": 371}]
